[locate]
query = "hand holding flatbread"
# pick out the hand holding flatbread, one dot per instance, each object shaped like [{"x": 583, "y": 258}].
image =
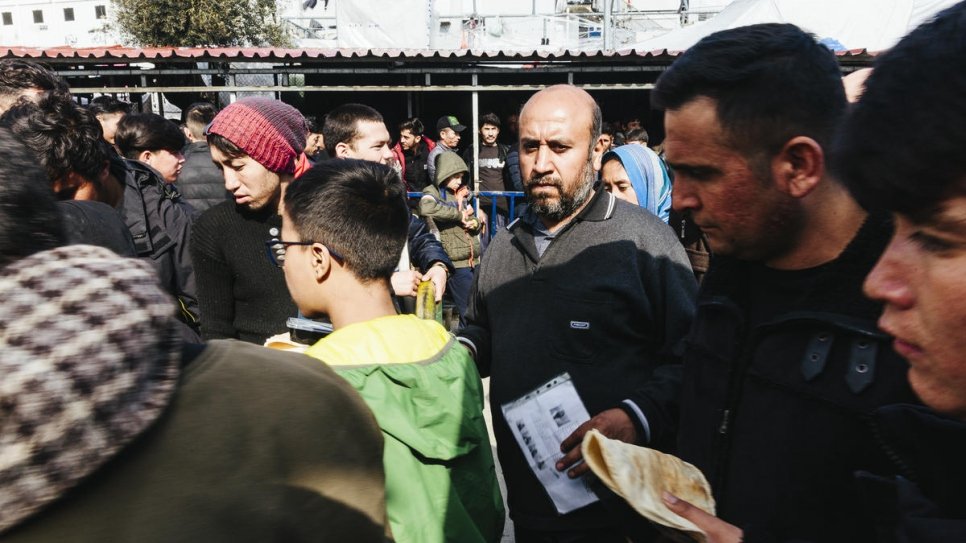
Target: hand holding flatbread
[{"x": 641, "y": 476}]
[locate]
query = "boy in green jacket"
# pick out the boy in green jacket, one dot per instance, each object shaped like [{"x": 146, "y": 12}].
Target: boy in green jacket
[{"x": 343, "y": 226}]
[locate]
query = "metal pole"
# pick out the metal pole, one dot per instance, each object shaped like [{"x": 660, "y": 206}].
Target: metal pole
[
  {"x": 608, "y": 7},
  {"x": 232, "y": 96},
  {"x": 476, "y": 138},
  {"x": 144, "y": 84},
  {"x": 409, "y": 98},
  {"x": 433, "y": 24}
]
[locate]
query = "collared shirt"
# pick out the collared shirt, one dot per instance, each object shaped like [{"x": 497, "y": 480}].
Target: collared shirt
[{"x": 541, "y": 235}]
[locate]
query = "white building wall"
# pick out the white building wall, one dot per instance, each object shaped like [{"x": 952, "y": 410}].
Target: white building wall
[{"x": 86, "y": 30}]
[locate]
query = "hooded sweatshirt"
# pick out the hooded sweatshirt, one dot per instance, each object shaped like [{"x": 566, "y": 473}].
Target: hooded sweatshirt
[
  {"x": 441, "y": 209},
  {"x": 426, "y": 394}
]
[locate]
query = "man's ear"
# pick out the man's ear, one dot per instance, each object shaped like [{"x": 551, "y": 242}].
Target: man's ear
[
  {"x": 321, "y": 262},
  {"x": 145, "y": 156},
  {"x": 799, "y": 167},
  {"x": 70, "y": 183},
  {"x": 342, "y": 150}
]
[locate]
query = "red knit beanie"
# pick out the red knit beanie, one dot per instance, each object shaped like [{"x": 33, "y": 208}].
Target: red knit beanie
[{"x": 270, "y": 131}]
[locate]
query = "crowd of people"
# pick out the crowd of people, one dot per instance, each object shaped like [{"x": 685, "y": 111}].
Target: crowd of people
[{"x": 773, "y": 295}]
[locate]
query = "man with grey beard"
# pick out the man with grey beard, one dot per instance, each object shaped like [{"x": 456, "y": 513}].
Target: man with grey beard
[{"x": 582, "y": 284}]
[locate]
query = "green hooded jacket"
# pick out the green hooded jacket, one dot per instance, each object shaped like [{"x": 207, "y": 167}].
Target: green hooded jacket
[
  {"x": 426, "y": 394},
  {"x": 461, "y": 245}
]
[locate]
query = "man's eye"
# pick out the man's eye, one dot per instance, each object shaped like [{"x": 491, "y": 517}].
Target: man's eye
[{"x": 931, "y": 244}]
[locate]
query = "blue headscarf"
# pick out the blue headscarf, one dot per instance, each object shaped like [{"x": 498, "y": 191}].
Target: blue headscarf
[{"x": 648, "y": 176}]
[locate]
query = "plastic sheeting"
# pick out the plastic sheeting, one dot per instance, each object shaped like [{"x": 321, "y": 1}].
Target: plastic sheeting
[
  {"x": 375, "y": 24},
  {"x": 875, "y": 25}
]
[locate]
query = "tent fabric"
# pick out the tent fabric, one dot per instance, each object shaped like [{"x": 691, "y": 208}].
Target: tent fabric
[{"x": 874, "y": 25}]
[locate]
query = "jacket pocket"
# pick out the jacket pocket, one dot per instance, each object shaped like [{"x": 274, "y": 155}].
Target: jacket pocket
[{"x": 579, "y": 326}]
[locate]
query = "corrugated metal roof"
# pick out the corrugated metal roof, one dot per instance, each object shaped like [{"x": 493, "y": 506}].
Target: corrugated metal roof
[{"x": 267, "y": 53}]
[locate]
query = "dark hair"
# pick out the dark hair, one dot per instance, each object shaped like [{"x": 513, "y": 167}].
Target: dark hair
[
  {"x": 29, "y": 219},
  {"x": 17, "y": 75},
  {"x": 770, "y": 83},
  {"x": 108, "y": 104},
  {"x": 918, "y": 85},
  {"x": 63, "y": 136},
  {"x": 147, "y": 132},
  {"x": 636, "y": 134},
  {"x": 607, "y": 128},
  {"x": 197, "y": 117},
  {"x": 489, "y": 118},
  {"x": 414, "y": 125},
  {"x": 312, "y": 123},
  {"x": 226, "y": 146},
  {"x": 355, "y": 207},
  {"x": 341, "y": 123}
]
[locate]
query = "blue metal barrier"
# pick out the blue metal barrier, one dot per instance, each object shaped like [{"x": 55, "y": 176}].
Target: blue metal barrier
[{"x": 510, "y": 196}]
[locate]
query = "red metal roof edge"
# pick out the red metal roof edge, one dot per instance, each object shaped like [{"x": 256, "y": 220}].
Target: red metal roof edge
[
  {"x": 267, "y": 53},
  {"x": 148, "y": 53}
]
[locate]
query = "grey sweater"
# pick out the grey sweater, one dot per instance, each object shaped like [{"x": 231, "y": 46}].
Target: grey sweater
[{"x": 609, "y": 302}]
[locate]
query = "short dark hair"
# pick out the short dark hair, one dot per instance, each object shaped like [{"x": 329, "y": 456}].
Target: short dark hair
[
  {"x": 226, "y": 146},
  {"x": 197, "y": 117},
  {"x": 341, "y": 123},
  {"x": 29, "y": 218},
  {"x": 414, "y": 125},
  {"x": 637, "y": 134},
  {"x": 312, "y": 123},
  {"x": 107, "y": 104},
  {"x": 17, "y": 75},
  {"x": 770, "y": 83},
  {"x": 147, "y": 132},
  {"x": 489, "y": 118},
  {"x": 355, "y": 207},
  {"x": 607, "y": 128},
  {"x": 63, "y": 136},
  {"x": 919, "y": 85}
]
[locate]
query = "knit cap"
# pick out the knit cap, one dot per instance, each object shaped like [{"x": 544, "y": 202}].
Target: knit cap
[{"x": 270, "y": 131}]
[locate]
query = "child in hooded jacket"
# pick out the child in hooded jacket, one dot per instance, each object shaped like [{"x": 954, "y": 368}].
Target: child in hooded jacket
[{"x": 445, "y": 207}]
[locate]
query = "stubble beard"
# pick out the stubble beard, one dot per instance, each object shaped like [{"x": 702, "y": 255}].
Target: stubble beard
[{"x": 558, "y": 209}]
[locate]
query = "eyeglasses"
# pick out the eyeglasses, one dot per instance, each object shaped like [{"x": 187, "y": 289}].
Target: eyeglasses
[{"x": 276, "y": 249}]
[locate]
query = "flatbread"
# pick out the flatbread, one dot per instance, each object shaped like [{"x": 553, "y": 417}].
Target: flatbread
[{"x": 640, "y": 475}]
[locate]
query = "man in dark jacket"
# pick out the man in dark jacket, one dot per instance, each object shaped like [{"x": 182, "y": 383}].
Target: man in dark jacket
[
  {"x": 495, "y": 171},
  {"x": 66, "y": 139},
  {"x": 200, "y": 182},
  {"x": 785, "y": 363},
  {"x": 411, "y": 153},
  {"x": 586, "y": 285}
]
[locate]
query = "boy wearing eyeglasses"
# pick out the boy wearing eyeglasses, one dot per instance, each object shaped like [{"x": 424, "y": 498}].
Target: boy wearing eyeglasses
[{"x": 344, "y": 224}]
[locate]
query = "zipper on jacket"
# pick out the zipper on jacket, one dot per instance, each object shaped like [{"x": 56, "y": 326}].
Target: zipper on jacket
[{"x": 903, "y": 467}]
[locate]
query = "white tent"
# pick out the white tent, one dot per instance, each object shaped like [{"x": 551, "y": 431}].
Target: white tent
[{"x": 875, "y": 25}]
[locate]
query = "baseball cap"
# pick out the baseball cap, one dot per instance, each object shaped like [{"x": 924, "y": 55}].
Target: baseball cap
[{"x": 449, "y": 121}]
